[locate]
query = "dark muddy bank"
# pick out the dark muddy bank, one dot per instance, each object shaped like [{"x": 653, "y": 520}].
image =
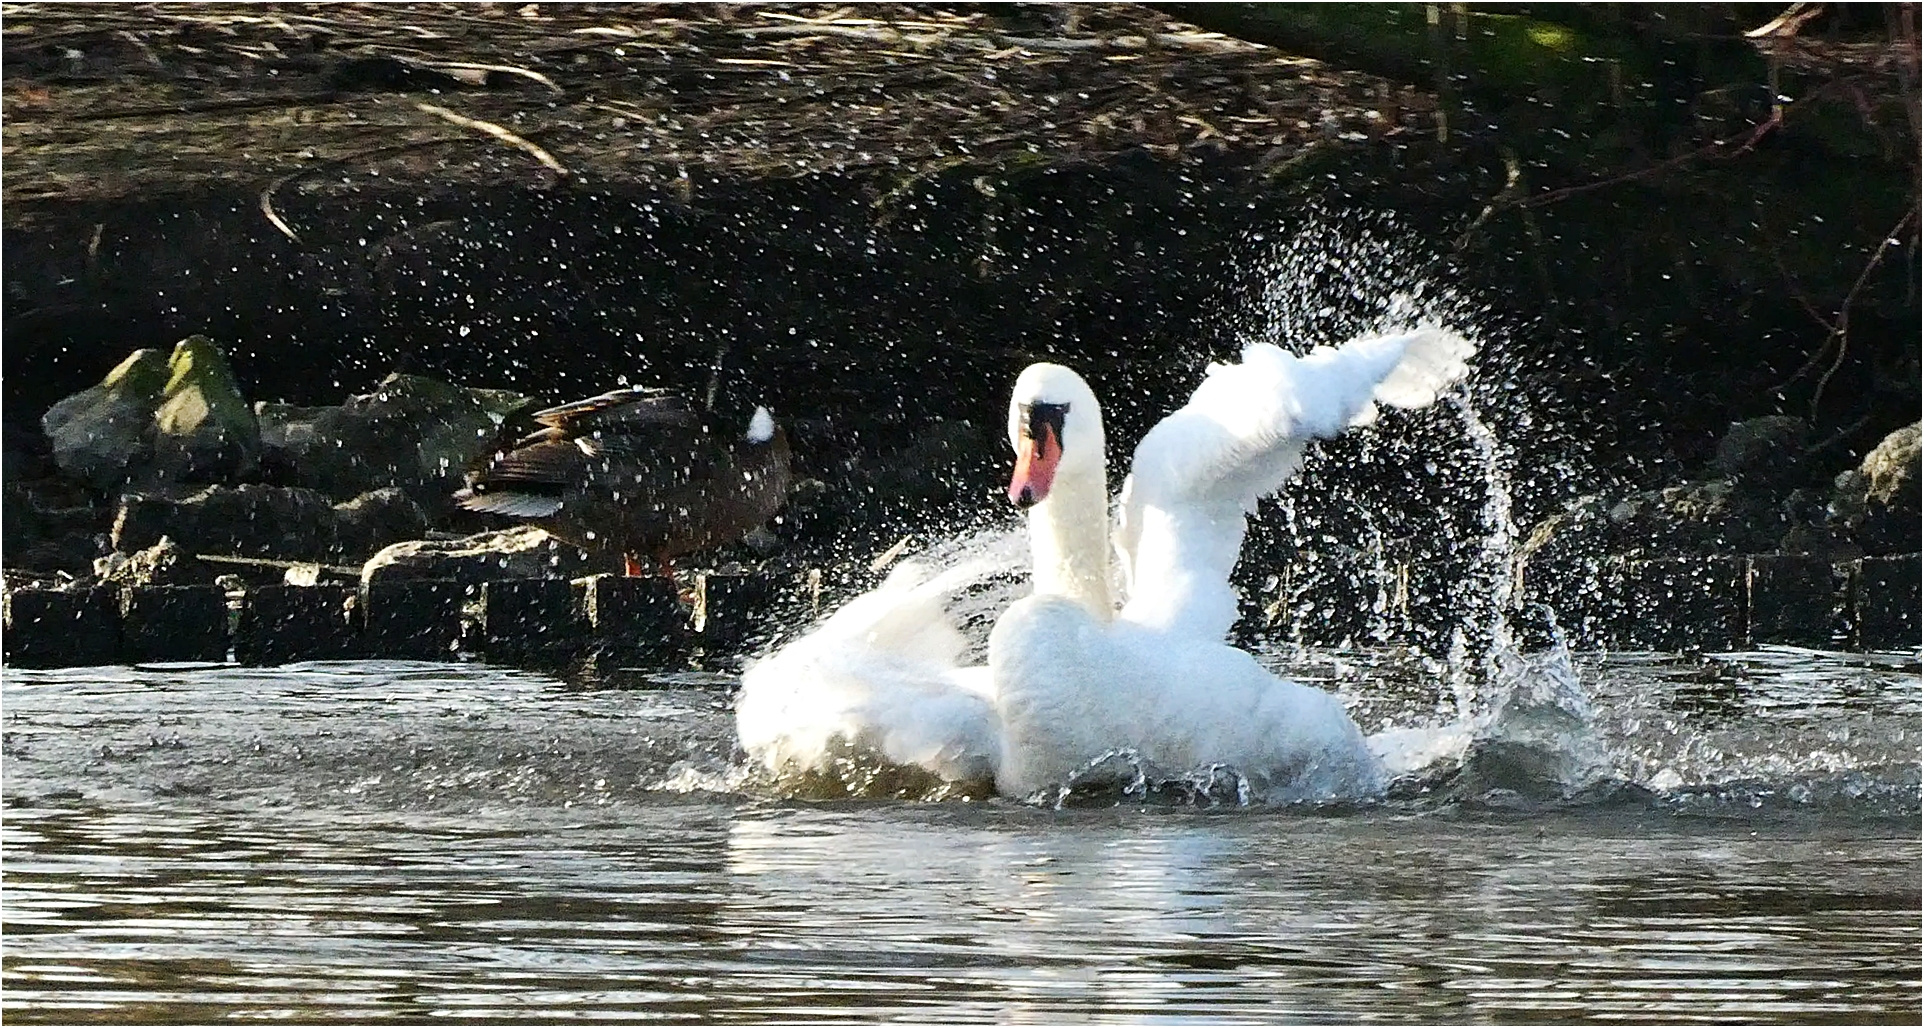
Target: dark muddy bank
[{"x": 873, "y": 218}]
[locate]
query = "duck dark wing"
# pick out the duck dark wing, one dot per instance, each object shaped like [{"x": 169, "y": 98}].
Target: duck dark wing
[
  {"x": 579, "y": 444},
  {"x": 528, "y": 481},
  {"x": 622, "y": 410}
]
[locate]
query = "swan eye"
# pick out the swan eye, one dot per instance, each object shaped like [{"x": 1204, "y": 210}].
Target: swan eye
[{"x": 1035, "y": 416}]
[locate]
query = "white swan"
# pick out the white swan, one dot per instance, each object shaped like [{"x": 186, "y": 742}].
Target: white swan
[
  {"x": 1074, "y": 679},
  {"x": 1069, "y": 679},
  {"x": 883, "y": 675}
]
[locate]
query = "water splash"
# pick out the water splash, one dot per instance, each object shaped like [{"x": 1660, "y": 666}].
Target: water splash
[
  {"x": 1428, "y": 491},
  {"x": 1389, "y": 572},
  {"x": 1126, "y": 776}
]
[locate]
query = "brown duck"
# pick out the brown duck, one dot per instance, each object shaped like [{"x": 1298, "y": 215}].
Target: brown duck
[{"x": 640, "y": 472}]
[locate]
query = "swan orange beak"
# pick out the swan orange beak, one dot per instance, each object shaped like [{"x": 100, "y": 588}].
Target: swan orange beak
[{"x": 1035, "y": 467}]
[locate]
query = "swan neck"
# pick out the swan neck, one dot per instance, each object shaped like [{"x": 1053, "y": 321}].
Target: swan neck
[{"x": 1069, "y": 540}]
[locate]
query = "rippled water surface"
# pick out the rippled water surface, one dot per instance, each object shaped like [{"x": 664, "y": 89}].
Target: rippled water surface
[{"x": 409, "y": 842}]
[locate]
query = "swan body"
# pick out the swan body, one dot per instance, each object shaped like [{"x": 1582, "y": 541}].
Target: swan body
[
  {"x": 1070, "y": 688},
  {"x": 1073, "y": 679},
  {"x": 1071, "y": 674}
]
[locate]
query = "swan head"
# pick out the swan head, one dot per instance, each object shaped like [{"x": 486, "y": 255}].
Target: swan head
[{"x": 1055, "y": 428}]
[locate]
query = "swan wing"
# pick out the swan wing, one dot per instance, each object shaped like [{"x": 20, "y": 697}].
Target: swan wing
[
  {"x": 884, "y": 676},
  {"x": 1241, "y": 436}
]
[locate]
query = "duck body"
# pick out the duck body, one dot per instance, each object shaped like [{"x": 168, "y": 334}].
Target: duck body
[{"x": 640, "y": 472}]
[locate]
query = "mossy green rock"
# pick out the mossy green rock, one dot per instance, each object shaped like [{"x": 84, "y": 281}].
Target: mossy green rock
[
  {"x": 1891, "y": 468},
  {"x": 204, "y": 429},
  {"x": 100, "y": 434}
]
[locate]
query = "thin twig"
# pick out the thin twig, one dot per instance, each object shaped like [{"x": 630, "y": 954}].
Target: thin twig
[
  {"x": 1512, "y": 179},
  {"x": 267, "y": 562},
  {"x": 497, "y": 132},
  {"x": 267, "y": 195},
  {"x": 1715, "y": 148},
  {"x": 1839, "y": 436},
  {"x": 505, "y": 69},
  {"x": 1842, "y": 331},
  {"x": 267, "y": 207},
  {"x": 1797, "y": 293}
]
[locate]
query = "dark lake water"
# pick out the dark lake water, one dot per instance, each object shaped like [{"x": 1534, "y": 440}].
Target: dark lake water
[{"x": 411, "y": 842}]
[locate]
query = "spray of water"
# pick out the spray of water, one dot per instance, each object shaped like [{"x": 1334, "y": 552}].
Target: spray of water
[
  {"x": 1434, "y": 491},
  {"x": 1402, "y": 537}
]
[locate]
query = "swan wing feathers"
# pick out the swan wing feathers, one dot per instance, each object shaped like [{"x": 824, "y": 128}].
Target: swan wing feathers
[
  {"x": 881, "y": 675},
  {"x": 1179, "y": 526},
  {"x": 1434, "y": 359},
  {"x": 1245, "y": 424}
]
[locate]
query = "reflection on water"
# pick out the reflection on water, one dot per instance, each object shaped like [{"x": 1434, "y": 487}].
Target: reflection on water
[{"x": 381, "y": 841}]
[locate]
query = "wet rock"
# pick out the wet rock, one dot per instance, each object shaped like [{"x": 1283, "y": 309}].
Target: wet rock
[
  {"x": 1877, "y": 503},
  {"x": 414, "y": 433},
  {"x": 374, "y": 521},
  {"x": 204, "y": 430},
  {"x": 244, "y": 521},
  {"x": 1701, "y": 518},
  {"x": 154, "y": 421},
  {"x": 1765, "y": 452},
  {"x": 163, "y": 564},
  {"x": 41, "y": 538},
  {"x": 522, "y": 552},
  {"x": 1573, "y": 561},
  {"x": 25, "y": 453},
  {"x": 1814, "y": 532},
  {"x": 98, "y": 434},
  {"x": 1891, "y": 467}
]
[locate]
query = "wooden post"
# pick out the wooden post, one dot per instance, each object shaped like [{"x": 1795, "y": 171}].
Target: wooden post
[
  {"x": 526, "y": 618},
  {"x": 638, "y": 619},
  {"x": 1796, "y": 599},
  {"x": 413, "y": 620},
  {"x": 281, "y": 624},
  {"x": 1884, "y": 598},
  {"x": 174, "y": 622},
  {"x": 729, "y": 609},
  {"x": 51, "y": 628},
  {"x": 1685, "y": 603}
]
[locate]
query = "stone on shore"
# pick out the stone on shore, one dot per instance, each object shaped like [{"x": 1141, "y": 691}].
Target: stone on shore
[
  {"x": 99, "y": 433},
  {"x": 414, "y": 433},
  {"x": 1877, "y": 502},
  {"x": 521, "y": 552},
  {"x": 204, "y": 429}
]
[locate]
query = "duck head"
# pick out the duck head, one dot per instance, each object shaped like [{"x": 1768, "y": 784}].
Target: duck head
[{"x": 1055, "y": 428}]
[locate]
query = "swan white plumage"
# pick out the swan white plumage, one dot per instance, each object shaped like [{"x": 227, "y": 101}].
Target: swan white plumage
[
  {"x": 1068, "y": 678},
  {"x": 1073, "y": 679},
  {"x": 883, "y": 674}
]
